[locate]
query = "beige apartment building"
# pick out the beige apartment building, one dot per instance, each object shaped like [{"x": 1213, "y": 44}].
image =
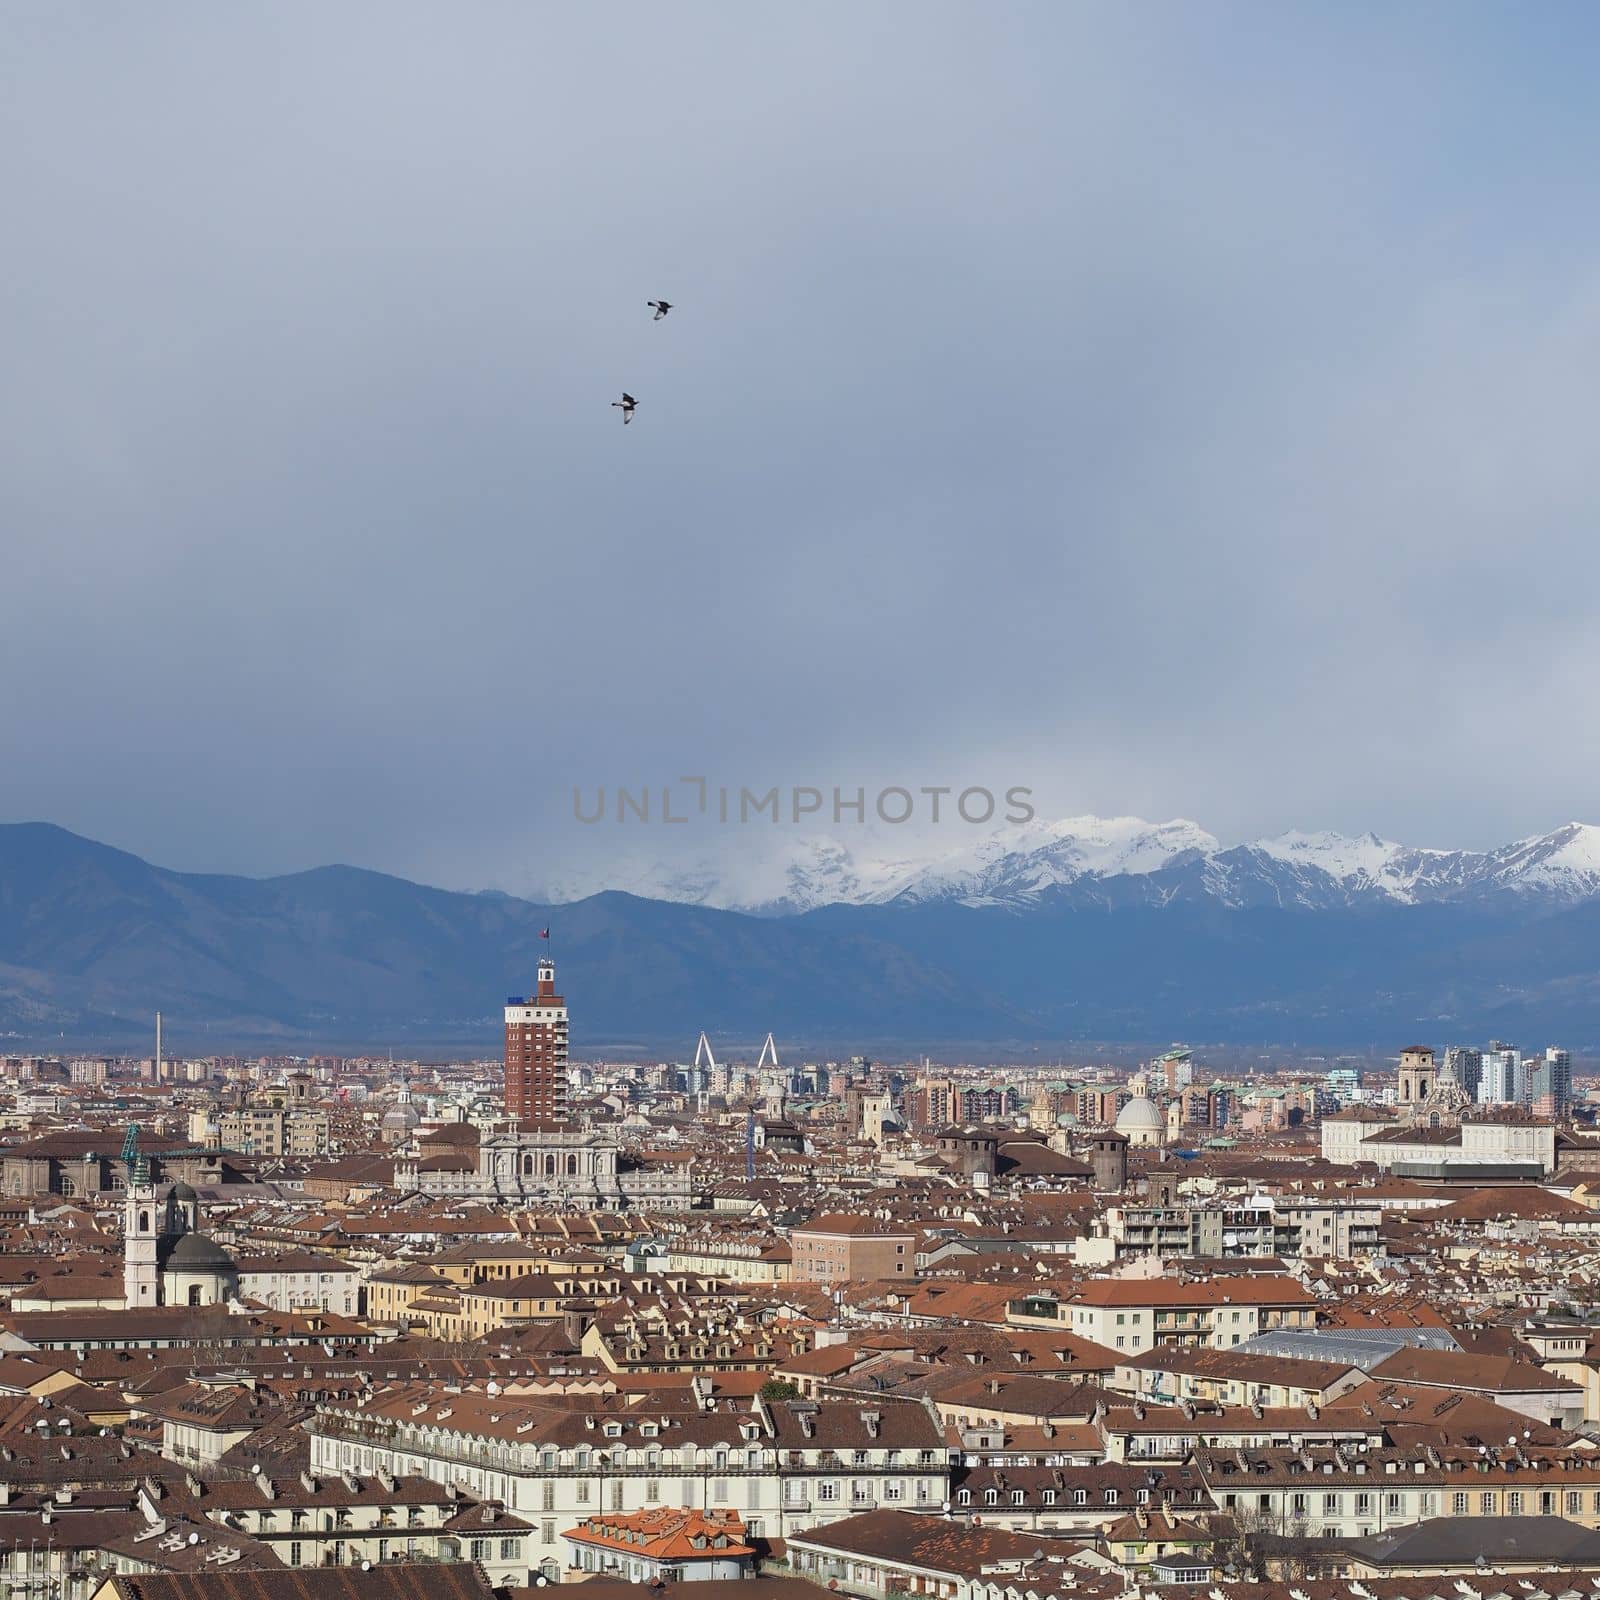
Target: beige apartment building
[
  {"x": 274, "y": 1131},
  {"x": 842, "y": 1249},
  {"x": 1135, "y": 1315}
]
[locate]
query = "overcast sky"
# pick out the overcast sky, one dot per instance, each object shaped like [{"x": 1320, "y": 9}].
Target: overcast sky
[{"x": 1178, "y": 409}]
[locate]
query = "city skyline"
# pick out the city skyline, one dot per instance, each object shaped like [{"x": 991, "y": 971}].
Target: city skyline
[{"x": 956, "y": 959}]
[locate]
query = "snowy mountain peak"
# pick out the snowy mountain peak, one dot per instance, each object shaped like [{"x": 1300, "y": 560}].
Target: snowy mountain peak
[
  {"x": 1020, "y": 864},
  {"x": 1563, "y": 864},
  {"x": 1364, "y": 862},
  {"x": 1118, "y": 861},
  {"x": 1332, "y": 852},
  {"x": 1107, "y": 845}
]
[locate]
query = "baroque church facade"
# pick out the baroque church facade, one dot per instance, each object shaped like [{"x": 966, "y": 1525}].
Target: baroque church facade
[{"x": 166, "y": 1260}]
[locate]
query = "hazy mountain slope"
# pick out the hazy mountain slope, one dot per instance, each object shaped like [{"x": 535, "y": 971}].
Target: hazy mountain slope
[{"x": 93, "y": 940}]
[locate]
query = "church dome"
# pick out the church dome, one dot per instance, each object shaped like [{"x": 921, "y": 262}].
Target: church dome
[
  {"x": 183, "y": 1194},
  {"x": 194, "y": 1252},
  {"x": 1139, "y": 1116}
]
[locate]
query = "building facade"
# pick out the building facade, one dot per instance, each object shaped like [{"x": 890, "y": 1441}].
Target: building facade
[
  {"x": 784, "y": 1467},
  {"x": 844, "y": 1249},
  {"x": 536, "y": 1052}
]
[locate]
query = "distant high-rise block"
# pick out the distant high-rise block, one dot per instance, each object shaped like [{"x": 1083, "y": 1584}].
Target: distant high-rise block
[
  {"x": 1467, "y": 1067},
  {"x": 536, "y": 1052},
  {"x": 1500, "y": 1083},
  {"x": 1547, "y": 1082}
]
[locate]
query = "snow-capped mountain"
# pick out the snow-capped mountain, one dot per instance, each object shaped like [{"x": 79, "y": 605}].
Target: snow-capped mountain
[
  {"x": 812, "y": 871},
  {"x": 1564, "y": 864},
  {"x": 90, "y": 932},
  {"x": 1115, "y": 861},
  {"x": 1325, "y": 869},
  {"x": 1023, "y": 864}
]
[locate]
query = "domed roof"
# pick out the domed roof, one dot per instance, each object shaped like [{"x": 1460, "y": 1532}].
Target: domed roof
[
  {"x": 1139, "y": 1116},
  {"x": 196, "y": 1253},
  {"x": 404, "y": 1115},
  {"x": 183, "y": 1194}
]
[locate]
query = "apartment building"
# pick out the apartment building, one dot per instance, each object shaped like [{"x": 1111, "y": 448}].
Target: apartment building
[
  {"x": 1354, "y": 1492},
  {"x": 1275, "y": 1226},
  {"x": 300, "y": 1280},
  {"x": 1172, "y": 1373},
  {"x": 783, "y": 1467},
  {"x": 341, "y": 1520},
  {"x": 733, "y": 1258},
  {"x": 843, "y": 1249},
  {"x": 1485, "y": 1140},
  {"x": 1137, "y": 1315},
  {"x": 275, "y": 1131},
  {"x": 660, "y": 1546}
]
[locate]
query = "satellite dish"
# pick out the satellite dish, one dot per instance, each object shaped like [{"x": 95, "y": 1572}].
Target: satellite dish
[
  {"x": 194, "y": 1538},
  {"x": 366, "y": 1566},
  {"x": 255, "y": 1469}
]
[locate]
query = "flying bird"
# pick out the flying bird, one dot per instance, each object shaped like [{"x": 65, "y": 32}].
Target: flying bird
[
  {"x": 660, "y": 307},
  {"x": 626, "y": 405}
]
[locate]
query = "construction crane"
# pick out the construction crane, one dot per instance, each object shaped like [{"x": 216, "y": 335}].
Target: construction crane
[{"x": 138, "y": 1166}]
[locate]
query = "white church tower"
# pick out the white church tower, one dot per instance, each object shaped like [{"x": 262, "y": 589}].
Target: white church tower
[{"x": 141, "y": 1269}]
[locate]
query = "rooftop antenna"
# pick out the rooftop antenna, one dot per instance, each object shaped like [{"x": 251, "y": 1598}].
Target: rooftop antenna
[{"x": 158, "y": 1047}]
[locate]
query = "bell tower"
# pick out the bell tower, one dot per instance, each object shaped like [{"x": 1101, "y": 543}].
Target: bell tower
[
  {"x": 1417, "y": 1075},
  {"x": 141, "y": 1272}
]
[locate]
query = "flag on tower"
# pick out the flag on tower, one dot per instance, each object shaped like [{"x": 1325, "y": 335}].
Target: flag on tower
[{"x": 544, "y": 933}]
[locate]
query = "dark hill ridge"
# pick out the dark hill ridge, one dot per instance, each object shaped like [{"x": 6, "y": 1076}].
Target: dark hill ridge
[{"x": 93, "y": 940}]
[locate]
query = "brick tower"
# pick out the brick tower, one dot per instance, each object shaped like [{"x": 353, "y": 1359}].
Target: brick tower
[{"x": 536, "y": 1052}]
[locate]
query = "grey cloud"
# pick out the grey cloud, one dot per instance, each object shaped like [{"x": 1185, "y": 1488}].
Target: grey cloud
[{"x": 1181, "y": 411}]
